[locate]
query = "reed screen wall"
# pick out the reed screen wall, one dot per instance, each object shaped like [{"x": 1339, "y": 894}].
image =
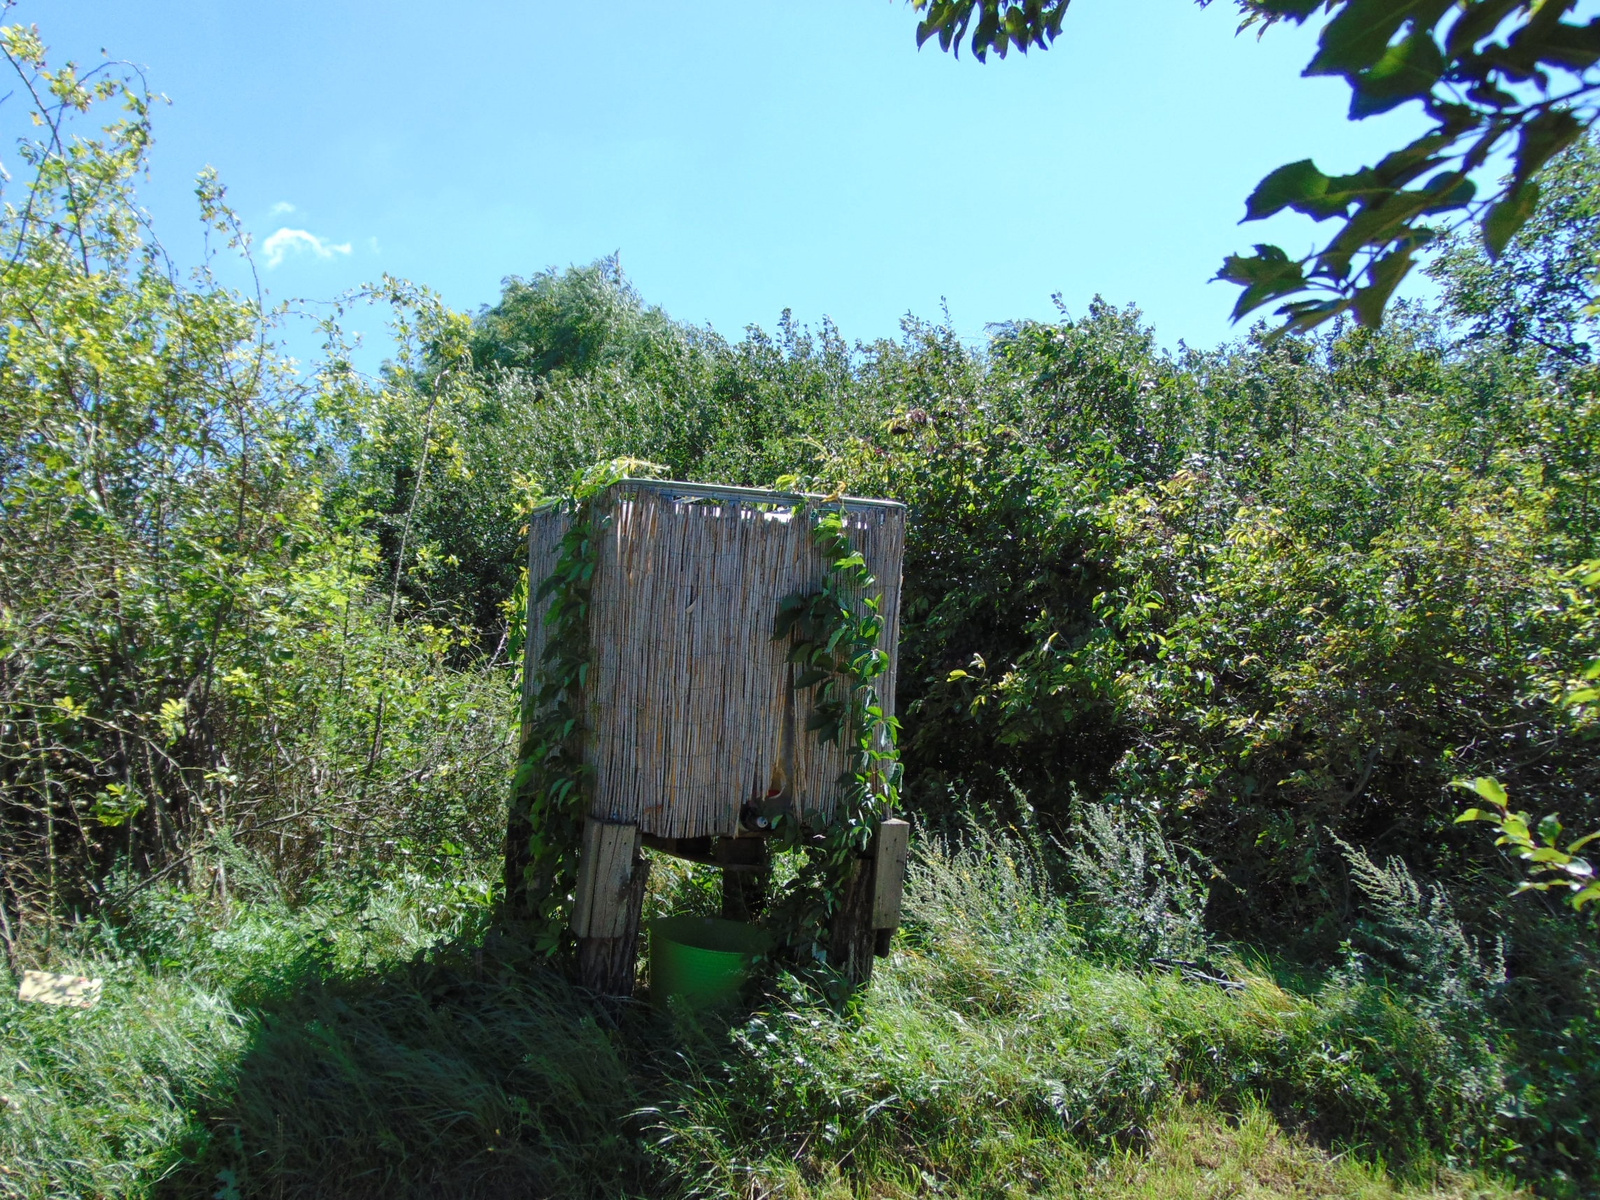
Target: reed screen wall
[{"x": 690, "y": 709}]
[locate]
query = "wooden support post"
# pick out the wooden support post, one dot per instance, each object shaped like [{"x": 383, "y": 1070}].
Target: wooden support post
[
  {"x": 606, "y": 909},
  {"x": 746, "y": 868},
  {"x": 890, "y": 850}
]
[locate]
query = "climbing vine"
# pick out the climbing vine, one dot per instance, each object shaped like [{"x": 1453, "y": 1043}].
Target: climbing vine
[
  {"x": 834, "y": 634},
  {"x": 551, "y": 786}
]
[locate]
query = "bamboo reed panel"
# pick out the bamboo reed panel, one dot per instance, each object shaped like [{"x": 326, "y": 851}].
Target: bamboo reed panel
[{"x": 689, "y": 711}]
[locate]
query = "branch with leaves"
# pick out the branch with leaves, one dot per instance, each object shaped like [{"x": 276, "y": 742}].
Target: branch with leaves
[
  {"x": 1550, "y": 865},
  {"x": 1495, "y": 77}
]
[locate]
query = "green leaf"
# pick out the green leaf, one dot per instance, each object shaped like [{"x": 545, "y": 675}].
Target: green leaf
[
  {"x": 1552, "y": 43},
  {"x": 1293, "y": 185},
  {"x": 1551, "y": 132},
  {"x": 1407, "y": 71},
  {"x": 1478, "y": 21},
  {"x": 822, "y": 720},
  {"x": 1307, "y": 314},
  {"x": 1294, "y": 10},
  {"x": 1360, "y": 35},
  {"x": 1453, "y": 190},
  {"x": 1385, "y": 276},
  {"x": 1508, "y": 216},
  {"x": 1543, "y": 854},
  {"x": 1266, "y": 275}
]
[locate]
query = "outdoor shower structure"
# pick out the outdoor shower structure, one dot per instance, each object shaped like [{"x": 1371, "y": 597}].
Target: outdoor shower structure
[{"x": 694, "y": 734}]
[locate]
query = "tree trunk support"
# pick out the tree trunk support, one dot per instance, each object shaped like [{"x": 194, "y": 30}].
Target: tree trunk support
[
  {"x": 869, "y": 911},
  {"x": 606, "y": 910}
]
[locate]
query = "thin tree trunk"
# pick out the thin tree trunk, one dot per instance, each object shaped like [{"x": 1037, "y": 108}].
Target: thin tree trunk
[{"x": 853, "y": 939}]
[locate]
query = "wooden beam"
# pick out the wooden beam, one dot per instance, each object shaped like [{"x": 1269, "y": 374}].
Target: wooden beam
[
  {"x": 605, "y": 879},
  {"x": 852, "y": 941},
  {"x": 746, "y": 871},
  {"x": 606, "y": 965},
  {"x": 713, "y": 851},
  {"x": 892, "y": 847}
]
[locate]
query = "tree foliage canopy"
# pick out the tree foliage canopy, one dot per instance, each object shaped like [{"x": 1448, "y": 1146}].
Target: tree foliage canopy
[{"x": 1495, "y": 77}]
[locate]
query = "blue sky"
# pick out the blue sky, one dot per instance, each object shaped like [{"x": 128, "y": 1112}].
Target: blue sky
[{"x": 742, "y": 157}]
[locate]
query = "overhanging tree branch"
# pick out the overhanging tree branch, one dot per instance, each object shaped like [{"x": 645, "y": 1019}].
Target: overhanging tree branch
[{"x": 1494, "y": 76}]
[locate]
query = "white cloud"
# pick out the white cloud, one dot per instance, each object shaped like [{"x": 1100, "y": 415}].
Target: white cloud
[
  {"x": 281, "y": 207},
  {"x": 297, "y": 241}
]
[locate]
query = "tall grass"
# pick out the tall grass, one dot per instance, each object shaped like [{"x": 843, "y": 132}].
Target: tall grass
[
  {"x": 993, "y": 1055},
  {"x": 383, "y": 1039}
]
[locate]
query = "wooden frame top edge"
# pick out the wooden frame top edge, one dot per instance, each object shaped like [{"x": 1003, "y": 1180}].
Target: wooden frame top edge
[{"x": 715, "y": 491}]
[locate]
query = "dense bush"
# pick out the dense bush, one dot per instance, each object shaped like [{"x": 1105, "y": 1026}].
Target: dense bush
[
  {"x": 194, "y": 641},
  {"x": 993, "y": 1050}
]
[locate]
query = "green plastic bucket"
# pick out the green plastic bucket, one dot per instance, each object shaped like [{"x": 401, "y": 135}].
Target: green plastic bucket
[{"x": 704, "y": 961}]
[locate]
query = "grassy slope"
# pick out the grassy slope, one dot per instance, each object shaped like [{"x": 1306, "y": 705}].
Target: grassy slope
[{"x": 316, "y": 1052}]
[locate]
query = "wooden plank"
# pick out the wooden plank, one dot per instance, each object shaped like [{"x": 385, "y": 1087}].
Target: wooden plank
[
  {"x": 893, "y": 845},
  {"x": 606, "y": 965},
  {"x": 674, "y": 489},
  {"x": 588, "y": 861},
  {"x": 605, "y": 879}
]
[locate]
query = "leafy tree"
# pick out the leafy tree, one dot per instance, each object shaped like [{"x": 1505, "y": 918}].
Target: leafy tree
[
  {"x": 569, "y": 369},
  {"x": 1537, "y": 297},
  {"x": 1493, "y": 76},
  {"x": 578, "y": 322}
]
